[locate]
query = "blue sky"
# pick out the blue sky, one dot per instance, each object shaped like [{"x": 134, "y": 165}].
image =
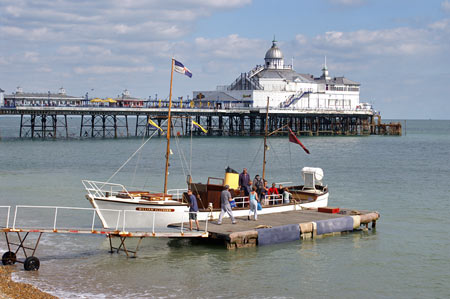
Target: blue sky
[{"x": 398, "y": 50}]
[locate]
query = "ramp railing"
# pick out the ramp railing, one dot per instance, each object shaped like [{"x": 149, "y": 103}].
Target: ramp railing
[
  {"x": 8, "y": 208},
  {"x": 57, "y": 209}
]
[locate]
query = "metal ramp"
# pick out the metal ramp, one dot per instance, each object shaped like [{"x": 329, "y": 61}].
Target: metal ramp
[{"x": 27, "y": 220}]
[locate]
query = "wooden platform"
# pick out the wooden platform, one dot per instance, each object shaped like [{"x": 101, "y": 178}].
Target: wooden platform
[{"x": 245, "y": 232}]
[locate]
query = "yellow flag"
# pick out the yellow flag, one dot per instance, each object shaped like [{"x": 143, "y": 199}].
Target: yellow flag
[
  {"x": 200, "y": 127},
  {"x": 151, "y": 122}
]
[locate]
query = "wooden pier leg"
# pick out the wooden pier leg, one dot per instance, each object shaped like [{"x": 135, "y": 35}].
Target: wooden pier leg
[
  {"x": 137, "y": 122},
  {"x": 104, "y": 125},
  {"x": 32, "y": 125},
  {"x": 65, "y": 125},
  {"x": 126, "y": 125},
  {"x": 55, "y": 120},
  {"x": 92, "y": 125},
  {"x": 21, "y": 126},
  {"x": 115, "y": 125},
  {"x": 81, "y": 125},
  {"x": 220, "y": 125}
]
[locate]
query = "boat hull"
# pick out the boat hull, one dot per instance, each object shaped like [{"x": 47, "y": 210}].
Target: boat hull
[{"x": 156, "y": 216}]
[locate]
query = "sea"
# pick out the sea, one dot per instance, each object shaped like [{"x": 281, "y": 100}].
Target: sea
[{"x": 405, "y": 178}]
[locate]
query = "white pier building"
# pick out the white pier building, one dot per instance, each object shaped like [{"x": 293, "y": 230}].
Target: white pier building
[{"x": 286, "y": 88}]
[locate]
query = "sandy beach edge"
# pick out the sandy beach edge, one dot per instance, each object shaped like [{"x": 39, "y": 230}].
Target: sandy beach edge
[{"x": 11, "y": 289}]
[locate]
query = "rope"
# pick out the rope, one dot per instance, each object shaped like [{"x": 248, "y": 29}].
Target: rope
[
  {"x": 254, "y": 158},
  {"x": 131, "y": 157},
  {"x": 137, "y": 164}
]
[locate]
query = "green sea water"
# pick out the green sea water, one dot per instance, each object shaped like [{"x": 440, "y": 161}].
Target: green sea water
[{"x": 405, "y": 179}]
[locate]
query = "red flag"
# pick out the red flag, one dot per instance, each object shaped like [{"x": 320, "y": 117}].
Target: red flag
[{"x": 294, "y": 139}]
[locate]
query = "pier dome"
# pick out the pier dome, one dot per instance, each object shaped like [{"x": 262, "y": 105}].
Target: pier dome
[{"x": 274, "y": 57}]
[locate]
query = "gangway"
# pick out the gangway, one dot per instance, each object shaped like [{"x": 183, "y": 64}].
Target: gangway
[{"x": 57, "y": 223}]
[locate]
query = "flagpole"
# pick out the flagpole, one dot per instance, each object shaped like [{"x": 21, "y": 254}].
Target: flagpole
[
  {"x": 169, "y": 123},
  {"x": 265, "y": 140}
]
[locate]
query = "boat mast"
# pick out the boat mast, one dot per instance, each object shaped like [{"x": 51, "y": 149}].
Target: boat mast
[
  {"x": 169, "y": 123},
  {"x": 265, "y": 140}
]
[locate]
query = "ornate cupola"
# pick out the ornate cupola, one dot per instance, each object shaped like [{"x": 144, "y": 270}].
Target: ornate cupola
[{"x": 274, "y": 57}]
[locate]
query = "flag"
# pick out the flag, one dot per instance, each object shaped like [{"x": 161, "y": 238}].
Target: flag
[
  {"x": 200, "y": 127},
  {"x": 152, "y": 123},
  {"x": 294, "y": 139},
  {"x": 180, "y": 68}
]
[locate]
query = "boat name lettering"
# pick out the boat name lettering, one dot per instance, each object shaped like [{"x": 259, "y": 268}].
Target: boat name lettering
[{"x": 155, "y": 210}]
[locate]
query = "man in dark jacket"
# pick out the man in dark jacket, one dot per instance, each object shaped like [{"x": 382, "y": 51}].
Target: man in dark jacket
[{"x": 244, "y": 182}]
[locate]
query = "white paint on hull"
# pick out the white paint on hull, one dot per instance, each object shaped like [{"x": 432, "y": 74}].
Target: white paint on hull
[{"x": 155, "y": 216}]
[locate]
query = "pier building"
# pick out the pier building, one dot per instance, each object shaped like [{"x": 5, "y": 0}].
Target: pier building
[
  {"x": 21, "y": 98},
  {"x": 286, "y": 88}
]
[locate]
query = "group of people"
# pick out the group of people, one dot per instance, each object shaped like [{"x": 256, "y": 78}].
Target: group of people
[
  {"x": 256, "y": 190},
  {"x": 259, "y": 185}
]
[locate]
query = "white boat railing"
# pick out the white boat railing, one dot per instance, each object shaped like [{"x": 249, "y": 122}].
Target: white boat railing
[
  {"x": 8, "y": 208},
  {"x": 58, "y": 208},
  {"x": 241, "y": 200},
  {"x": 103, "y": 189},
  {"x": 273, "y": 199},
  {"x": 176, "y": 193}
]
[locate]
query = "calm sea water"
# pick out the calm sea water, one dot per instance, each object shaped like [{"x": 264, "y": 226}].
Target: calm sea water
[{"x": 405, "y": 178}]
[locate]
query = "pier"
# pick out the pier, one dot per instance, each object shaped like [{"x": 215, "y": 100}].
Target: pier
[{"x": 108, "y": 122}]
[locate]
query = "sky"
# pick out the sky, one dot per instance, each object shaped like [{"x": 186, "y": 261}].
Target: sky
[{"x": 397, "y": 49}]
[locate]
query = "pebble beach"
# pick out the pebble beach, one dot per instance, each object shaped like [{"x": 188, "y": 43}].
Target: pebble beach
[{"x": 11, "y": 289}]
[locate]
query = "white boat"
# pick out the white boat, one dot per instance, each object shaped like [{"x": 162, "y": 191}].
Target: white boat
[
  {"x": 127, "y": 210},
  {"x": 144, "y": 211}
]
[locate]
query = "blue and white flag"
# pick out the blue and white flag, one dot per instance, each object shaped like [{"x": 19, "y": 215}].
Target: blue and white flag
[{"x": 180, "y": 68}]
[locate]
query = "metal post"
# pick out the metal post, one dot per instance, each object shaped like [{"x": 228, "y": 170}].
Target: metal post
[{"x": 54, "y": 222}]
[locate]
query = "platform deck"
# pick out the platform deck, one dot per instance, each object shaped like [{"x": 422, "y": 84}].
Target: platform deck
[{"x": 245, "y": 232}]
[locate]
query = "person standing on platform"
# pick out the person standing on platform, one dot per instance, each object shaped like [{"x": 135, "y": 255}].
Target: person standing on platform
[
  {"x": 253, "y": 204},
  {"x": 225, "y": 198},
  {"x": 244, "y": 182},
  {"x": 259, "y": 184},
  {"x": 193, "y": 209}
]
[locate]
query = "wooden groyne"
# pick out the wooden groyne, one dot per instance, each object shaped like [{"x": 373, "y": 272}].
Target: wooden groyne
[
  {"x": 287, "y": 226},
  {"x": 52, "y": 122}
]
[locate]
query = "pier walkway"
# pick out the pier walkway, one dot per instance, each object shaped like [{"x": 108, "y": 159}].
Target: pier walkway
[{"x": 107, "y": 122}]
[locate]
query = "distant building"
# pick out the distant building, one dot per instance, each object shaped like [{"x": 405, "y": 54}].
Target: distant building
[
  {"x": 285, "y": 87},
  {"x": 126, "y": 100},
  {"x": 2, "y": 97},
  {"x": 21, "y": 98}
]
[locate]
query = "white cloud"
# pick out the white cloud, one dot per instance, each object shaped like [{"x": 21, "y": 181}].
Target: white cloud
[
  {"x": 445, "y": 6},
  {"x": 347, "y": 2},
  {"x": 231, "y": 47},
  {"x": 106, "y": 69},
  {"x": 30, "y": 56}
]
